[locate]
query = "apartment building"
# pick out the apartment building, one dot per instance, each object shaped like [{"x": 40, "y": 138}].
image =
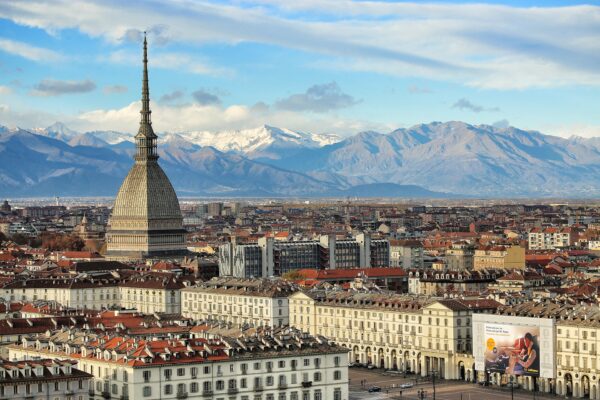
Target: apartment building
[
  {"x": 499, "y": 257},
  {"x": 406, "y": 254},
  {"x": 269, "y": 257},
  {"x": 43, "y": 379},
  {"x": 290, "y": 365},
  {"x": 460, "y": 257},
  {"x": 408, "y": 333},
  {"x": 256, "y": 302},
  {"x": 437, "y": 283},
  {"x": 552, "y": 238}
]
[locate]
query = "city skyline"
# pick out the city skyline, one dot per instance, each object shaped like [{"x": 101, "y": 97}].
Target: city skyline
[{"x": 334, "y": 67}]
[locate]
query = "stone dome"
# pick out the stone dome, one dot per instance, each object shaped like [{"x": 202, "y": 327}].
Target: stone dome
[{"x": 146, "y": 193}]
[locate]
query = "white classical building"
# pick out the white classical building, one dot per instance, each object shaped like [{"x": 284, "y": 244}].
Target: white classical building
[
  {"x": 288, "y": 365},
  {"x": 148, "y": 293},
  {"x": 43, "y": 379},
  {"x": 417, "y": 334},
  {"x": 256, "y": 302}
]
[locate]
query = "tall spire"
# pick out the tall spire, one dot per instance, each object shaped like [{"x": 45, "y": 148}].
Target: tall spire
[{"x": 145, "y": 139}]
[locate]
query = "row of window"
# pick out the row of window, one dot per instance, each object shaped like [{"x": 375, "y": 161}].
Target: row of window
[{"x": 317, "y": 394}]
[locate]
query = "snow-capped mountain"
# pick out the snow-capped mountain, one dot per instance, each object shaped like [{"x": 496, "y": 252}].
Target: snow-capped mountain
[
  {"x": 265, "y": 142},
  {"x": 450, "y": 157}
]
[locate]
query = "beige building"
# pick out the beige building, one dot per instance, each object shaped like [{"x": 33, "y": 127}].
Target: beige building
[
  {"x": 407, "y": 333},
  {"x": 504, "y": 257}
]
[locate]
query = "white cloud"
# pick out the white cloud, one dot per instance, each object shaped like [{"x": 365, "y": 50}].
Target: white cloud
[
  {"x": 482, "y": 45},
  {"x": 28, "y": 51},
  {"x": 214, "y": 117},
  {"x": 166, "y": 60}
]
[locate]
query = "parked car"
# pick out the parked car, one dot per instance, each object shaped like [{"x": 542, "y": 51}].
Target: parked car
[
  {"x": 406, "y": 385},
  {"x": 373, "y": 389},
  {"x": 371, "y": 366}
]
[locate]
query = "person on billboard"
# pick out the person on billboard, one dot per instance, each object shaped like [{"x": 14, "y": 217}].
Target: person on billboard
[{"x": 526, "y": 359}]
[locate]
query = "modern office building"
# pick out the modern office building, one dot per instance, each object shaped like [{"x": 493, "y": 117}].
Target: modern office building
[{"x": 270, "y": 257}]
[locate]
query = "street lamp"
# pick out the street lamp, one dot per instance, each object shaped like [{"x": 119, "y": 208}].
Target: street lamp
[
  {"x": 433, "y": 382},
  {"x": 512, "y": 387}
]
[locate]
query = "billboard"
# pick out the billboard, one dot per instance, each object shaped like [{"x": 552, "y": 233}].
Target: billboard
[
  {"x": 512, "y": 350},
  {"x": 514, "y": 345}
]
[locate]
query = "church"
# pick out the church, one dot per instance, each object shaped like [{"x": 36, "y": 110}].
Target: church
[{"x": 146, "y": 221}]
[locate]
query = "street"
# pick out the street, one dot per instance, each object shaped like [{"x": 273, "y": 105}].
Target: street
[{"x": 445, "y": 390}]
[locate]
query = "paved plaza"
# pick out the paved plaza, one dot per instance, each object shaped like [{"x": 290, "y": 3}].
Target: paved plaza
[{"x": 444, "y": 390}]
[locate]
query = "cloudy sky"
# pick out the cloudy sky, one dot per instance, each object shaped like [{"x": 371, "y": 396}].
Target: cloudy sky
[{"x": 335, "y": 66}]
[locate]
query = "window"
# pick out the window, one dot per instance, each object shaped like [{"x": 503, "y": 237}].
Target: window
[
  {"x": 317, "y": 377},
  {"x": 194, "y": 372},
  {"x": 220, "y": 385},
  {"x": 337, "y": 375},
  {"x": 269, "y": 381},
  {"x": 318, "y": 395},
  {"x": 337, "y": 394},
  {"x": 181, "y": 389},
  {"x": 207, "y": 370},
  {"x": 115, "y": 389},
  {"x": 231, "y": 384},
  {"x": 180, "y": 371},
  {"x": 306, "y": 395},
  {"x": 168, "y": 374},
  {"x": 206, "y": 387},
  {"x": 243, "y": 383},
  {"x": 194, "y": 387},
  {"x": 147, "y": 391},
  {"x": 336, "y": 361},
  {"x": 168, "y": 389},
  {"x": 306, "y": 362},
  {"x": 281, "y": 364},
  {"x": 147, "y": 376}
]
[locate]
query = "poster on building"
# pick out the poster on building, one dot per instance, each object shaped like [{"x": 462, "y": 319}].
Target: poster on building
[{"x": 512, "y": 349}]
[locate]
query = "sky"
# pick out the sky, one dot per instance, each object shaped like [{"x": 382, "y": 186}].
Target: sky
[{"x": 322, "y": 66}]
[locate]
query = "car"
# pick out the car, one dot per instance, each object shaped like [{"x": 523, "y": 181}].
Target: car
[
  {"x": 407, "y": 385},
  {"x": 371, "y": 366},
  {"x": 351, "y": 365},
  {"x": 484, "y": 383},
  {"x": 374, "y": 389}
]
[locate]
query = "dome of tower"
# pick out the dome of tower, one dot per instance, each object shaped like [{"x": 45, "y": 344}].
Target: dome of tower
[{"x": 146, "y": 193}]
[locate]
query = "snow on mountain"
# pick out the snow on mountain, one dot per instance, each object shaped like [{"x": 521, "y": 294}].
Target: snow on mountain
[
  {"x": 58, "y": 130},
  {"x": 265, "y": 142}
]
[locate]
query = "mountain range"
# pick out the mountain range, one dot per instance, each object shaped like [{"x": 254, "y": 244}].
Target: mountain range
[{"x": 438, "y": 159}]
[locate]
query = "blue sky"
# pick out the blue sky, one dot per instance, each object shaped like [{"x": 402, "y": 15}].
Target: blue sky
[{"x": 332, "y": 66}]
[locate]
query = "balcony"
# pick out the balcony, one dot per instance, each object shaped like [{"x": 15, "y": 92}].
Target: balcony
[
  {"x": 124, "y": 397},
  {"x": 258, "y": 388},
  {"x": 106, "y": 394},
  {"x": 207, "y": 393},
  {"x": 282, "y": 386},
  {"x": 306, "y": 384},
  {"x": 182, "y": 395},
  {"x": 232, "y": 391}
]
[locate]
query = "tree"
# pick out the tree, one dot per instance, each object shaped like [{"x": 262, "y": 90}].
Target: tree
[{"x": 293, "y": 275}]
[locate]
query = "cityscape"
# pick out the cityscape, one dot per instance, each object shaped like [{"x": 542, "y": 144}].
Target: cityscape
[{"x": 161, "y": 246}]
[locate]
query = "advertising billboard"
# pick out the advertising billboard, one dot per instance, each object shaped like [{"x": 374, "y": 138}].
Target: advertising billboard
[
  {"x": 514, "y": 345},
  {"x": 512, "y": 350}
]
